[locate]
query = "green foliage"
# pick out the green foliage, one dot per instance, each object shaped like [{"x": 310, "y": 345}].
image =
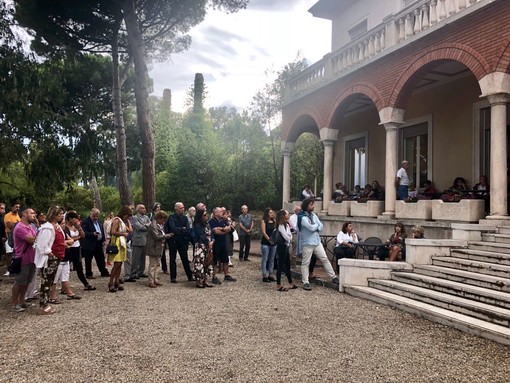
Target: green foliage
[{"x": 307, "y": 164}]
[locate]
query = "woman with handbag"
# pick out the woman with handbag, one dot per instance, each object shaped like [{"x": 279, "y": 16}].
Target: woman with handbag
[
  {"x": 202, "y": 259},
  {"x": 282, "y": 249},
  {"x": 155, "y": 242},
  {"x": 117, "y": 249}
]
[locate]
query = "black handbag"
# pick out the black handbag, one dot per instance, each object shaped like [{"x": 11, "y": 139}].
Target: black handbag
[
  {"x": 112, "y": 249},
  {"x": 15, "y": 265}
]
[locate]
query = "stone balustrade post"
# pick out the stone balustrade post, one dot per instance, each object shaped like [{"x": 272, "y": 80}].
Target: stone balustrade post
[{"x": 328, "y": 137}]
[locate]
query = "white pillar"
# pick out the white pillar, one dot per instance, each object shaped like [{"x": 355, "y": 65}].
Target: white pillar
[
  {"x": 498, "y": 170},
  {"x": 287, "y": 148},
  {"x": 328, "y": 138},
  {"x": 391, "y": 118}
]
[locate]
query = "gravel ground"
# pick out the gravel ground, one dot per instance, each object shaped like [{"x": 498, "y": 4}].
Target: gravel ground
[{"x": 240, "y": 332}]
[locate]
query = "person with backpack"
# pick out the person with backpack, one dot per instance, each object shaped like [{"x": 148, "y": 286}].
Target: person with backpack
[{"x": 309, "y": 228}]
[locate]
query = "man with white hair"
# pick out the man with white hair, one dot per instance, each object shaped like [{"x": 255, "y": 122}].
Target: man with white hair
[
  {"x": 92, "y": 245},
  {"x": 245, "y": 230},
  {"x": 140, "y": 223}
]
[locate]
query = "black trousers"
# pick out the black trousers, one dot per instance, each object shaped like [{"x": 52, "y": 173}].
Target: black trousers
[
  {"x": 244, "y": 246},
  {"x": 344, "y": 252},
  {"x": 182, "y": 249},
  {"x": 98, "y": 254},
  {"x": 283, "y": 262},
  {"x": 75, "y": 259}
]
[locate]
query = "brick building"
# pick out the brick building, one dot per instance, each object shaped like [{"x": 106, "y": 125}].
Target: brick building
[{"x": 422, "y": 80}]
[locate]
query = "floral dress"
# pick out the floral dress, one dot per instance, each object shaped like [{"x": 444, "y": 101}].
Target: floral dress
[{"x": 202, "y": 258}]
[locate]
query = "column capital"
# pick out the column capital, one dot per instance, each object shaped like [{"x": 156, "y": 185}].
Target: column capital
[
  {"x": 287, "y": 147},
  {"x": 494, "y": 83},
  {"x": 391, "y": 115},
  {"x": 327, "y": 134},
  {"x": 498, "y": 99}
]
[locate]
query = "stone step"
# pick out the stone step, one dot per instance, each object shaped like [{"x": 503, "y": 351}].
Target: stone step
[
  {"x": 496, "y": 247},
  {"x": 470, "y": 278},
  {"x": 437, "y": 314},
  {"x": 482, "y": 256},
  {"x": 481, "y": 294},
  {"x": 483, "y": 311},
  {"x": 499, "y": 238},
  {"x": 504, "y": 229},
  {"x": 486, "y": 268}
]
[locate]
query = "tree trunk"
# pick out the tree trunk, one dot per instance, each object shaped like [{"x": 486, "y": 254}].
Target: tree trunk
[
  {"x": 122, "y": 171},
  {"x": 137, "y": 51},
  {"x": 95, "y": 191}
]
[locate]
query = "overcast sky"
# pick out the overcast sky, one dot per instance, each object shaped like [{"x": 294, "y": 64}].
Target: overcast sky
[{"x": 233, "y": 51}]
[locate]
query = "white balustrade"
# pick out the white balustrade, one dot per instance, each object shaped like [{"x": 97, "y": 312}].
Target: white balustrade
[{"x": 410, "y": 22}]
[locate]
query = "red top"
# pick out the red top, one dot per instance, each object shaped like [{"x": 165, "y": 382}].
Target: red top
[{"x": 59, "y": 245}]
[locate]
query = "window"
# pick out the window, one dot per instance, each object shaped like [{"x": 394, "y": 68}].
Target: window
[
  {"x": 356, "y": 163},
  {"x": 415, "y": 150},
  {"x": 358, "y": 29}
]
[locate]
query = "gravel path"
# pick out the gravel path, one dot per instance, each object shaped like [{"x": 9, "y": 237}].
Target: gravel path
[{"x": 240, "y": 332}]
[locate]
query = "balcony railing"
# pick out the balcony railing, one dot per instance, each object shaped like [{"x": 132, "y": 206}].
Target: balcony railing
[{"x": 394, "y": 32}]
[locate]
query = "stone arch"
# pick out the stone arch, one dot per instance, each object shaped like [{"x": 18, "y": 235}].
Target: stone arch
[
  {"x": 306, "y": 121},
  {"x": 340, "y": 105},
  {"x": 456, "y": 52}
]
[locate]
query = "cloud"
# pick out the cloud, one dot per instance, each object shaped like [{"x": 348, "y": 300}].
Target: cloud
[{"x": 273, "y": 5}]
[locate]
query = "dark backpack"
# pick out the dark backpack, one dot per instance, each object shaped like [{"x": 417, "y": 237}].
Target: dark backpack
[{"x": 10, "y": 237}]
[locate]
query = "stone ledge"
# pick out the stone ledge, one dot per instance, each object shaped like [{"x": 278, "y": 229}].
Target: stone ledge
[
  {"x": 358, "y": 271},
  {"x": 421, "y": 251}
]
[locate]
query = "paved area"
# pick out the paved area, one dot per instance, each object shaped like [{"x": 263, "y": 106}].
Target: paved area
[{"x": 238, "y": 332}]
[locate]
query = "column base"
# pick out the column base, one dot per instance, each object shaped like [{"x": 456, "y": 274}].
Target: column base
[
  {"x": 387, "y": 215},
  {"x": 497, "y": 220}
]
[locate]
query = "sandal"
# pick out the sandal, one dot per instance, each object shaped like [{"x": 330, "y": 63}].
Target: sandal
[
  {"x": 70, "y": 297},
  {"x": 48, "y": 310},
  {"x": 200, "y": 286},
  {"x": 112, "y": 289},
  {"x": 208, "y": 285},
  {"x": 119, "y": 287},
  {"x": 282, "y": 289},
  {"x": 89, "y": 288},
  {"x": 152, "y": 285},
  {"x": 292, "y": 287},
  {"x": 54, "y": 301}
]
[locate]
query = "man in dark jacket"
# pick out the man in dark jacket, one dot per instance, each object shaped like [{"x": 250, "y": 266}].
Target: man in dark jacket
[
  {"x": 178, "y": 225},
  {"x": 92, "y": 244}
]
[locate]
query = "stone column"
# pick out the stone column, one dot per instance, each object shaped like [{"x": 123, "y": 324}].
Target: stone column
[
  {"x": 496, "y": 87},
  {"x": 498, "y": 170},
  {"x": 287, "y": 148},
  {"x": 328, "y": 138},
  {"x": 391, "y": 118}
]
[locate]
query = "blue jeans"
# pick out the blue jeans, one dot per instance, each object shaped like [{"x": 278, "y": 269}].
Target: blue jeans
[{"x": 267, "y": 263}]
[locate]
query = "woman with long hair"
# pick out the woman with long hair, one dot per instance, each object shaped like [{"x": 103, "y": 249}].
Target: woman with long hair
[
  {"x": 202, "y": 258},
  {"x": 120, "y": 229},
  {"x": 282, "y": 249},
  {"x": 396, "y": 243},
  {"x": 50, "y": 248},
  {"x": 267, "y": 225},
  {"x": 345, "y": 242},
  {"x": 73, "y": 229}
]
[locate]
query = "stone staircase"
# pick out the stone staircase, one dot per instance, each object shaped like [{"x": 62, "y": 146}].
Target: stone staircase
[{"x": 468, "y": 290}]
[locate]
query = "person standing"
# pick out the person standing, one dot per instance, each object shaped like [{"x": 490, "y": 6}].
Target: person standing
[
  {"x": 24, "y": 238},
  {"x": 10, "y": 219},
  {"x": 220, "y": 229},
  {"x": 178, "y": 225},
  {"x": 3, "y": 237},
  {"x": 245, "y": 230},
  {"x": 202, "y": 256},
  {"x": 92, "y": 246},
  {"x": 268, "y": 249},
  {"x": 310, "y": 227},
  {"x": 402, "y": 181},
  {"x": 120, "y": 230},
  {"x": 47, "y": 255},
  {"x": 155, "y": 243},
  {"x": 282, "y": 249},
  {"x": 141, "y": 225}
]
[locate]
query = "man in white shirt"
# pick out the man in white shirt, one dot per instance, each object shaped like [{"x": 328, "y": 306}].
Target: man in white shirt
[{"x": 402, "y": 180}]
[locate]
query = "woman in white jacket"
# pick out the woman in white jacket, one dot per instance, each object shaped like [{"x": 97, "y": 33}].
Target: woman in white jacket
[{"x": 282, "y": 250}]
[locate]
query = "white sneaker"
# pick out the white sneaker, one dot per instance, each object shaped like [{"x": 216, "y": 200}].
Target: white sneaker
[{"x": 6, "y": 274}]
